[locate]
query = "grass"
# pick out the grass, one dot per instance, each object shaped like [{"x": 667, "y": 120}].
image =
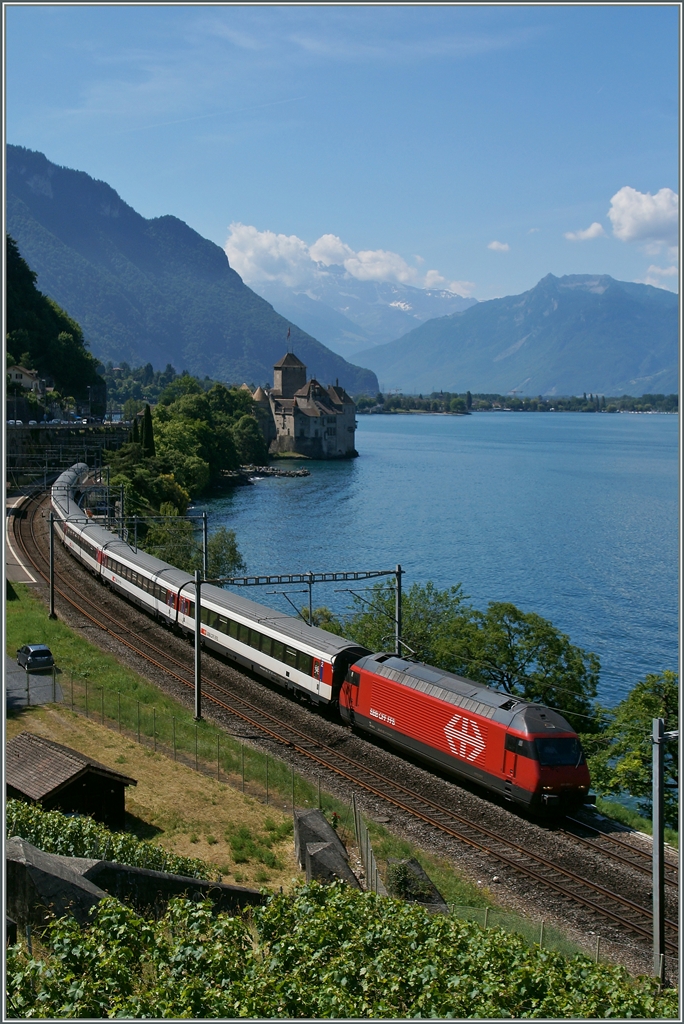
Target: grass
[
  {"x": 454, "y": 888},
  {"x": 626, "y": 816},
  {"x": 182, "y": 810}
]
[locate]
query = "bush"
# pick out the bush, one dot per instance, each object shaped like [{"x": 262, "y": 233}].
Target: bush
[
  {"x": 54, "y": 832},
  {"x": 324, "y": 952}
]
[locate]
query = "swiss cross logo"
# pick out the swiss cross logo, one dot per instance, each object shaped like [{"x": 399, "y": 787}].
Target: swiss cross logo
[{"x": 464, "y": 737}]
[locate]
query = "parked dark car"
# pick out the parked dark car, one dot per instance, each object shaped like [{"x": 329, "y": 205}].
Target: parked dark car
[{"x": 34, "y": 656}]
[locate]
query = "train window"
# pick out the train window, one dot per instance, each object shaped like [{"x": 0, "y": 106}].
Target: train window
[
  {"x": 243, "y": 634},
  {"x": 561, "y": 752},
  {"x": 354, "y": 678},
  {"x": 278, "y": 650},
  {"x": 204, "y": 615},
  {"x": 233, "y": 628},
  {"x": 255, "y": 639},
  {"x": 214, "y": 620},
  {"x": 222, "y": 623},
  {"x": 290, "y": 657},
  {"x": 519, "y": 746},
  {"x": 305, "y": 663},
  {"x": 266, "y": 644}
]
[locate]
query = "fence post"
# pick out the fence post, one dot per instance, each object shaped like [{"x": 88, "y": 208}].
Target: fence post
[
  {"x": 541, "y": 934},
  {"x": 154, "y": 727},
  {"x": 243, "y": 766},
  {"x": 267, "y": 780},
  {"x": 218, "y": 757},
  {"x": 28, "y": 690},
  {"x": 138, "y": 703},
  {"x": 102, "y": 706},
  {"x": 293, "y": 789},
  {"x": 598, "y": 947},
  {"x": 173, "y": 719},
  {"x": 486, "y": 917},
  {"x": 54, "y": 685},
  {"x": 86, "y": 689},
  {"x": 196, "y": 761},
  {"x": 72, "y": 691},
  {"x": 319, "y": 793},
  {"x": 118, "y": 694}
]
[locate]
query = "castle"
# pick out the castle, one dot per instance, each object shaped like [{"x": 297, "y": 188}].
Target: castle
[{"x": 302, "y": 416}]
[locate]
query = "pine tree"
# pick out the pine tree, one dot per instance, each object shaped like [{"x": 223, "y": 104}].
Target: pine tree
[
  {"x": 469, "y": 401},
  {"x": 135, "y": 433},
  {"x": 147, "y": 439}
]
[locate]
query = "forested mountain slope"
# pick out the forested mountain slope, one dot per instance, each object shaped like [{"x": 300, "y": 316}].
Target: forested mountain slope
[{"x": 150, "y": 290}]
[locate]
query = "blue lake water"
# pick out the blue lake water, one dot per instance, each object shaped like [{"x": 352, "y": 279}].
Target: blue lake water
[{"x": 570, "y": 515}]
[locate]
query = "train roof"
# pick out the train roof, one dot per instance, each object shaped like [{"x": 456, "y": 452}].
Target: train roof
[
  {"x": 223, "y": 600},
  {"x": 472, "y": 696}
]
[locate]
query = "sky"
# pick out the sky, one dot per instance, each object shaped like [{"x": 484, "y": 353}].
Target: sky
[{"x": 476, "y": 148}]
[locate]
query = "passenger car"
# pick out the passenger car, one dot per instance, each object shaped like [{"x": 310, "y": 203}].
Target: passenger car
[{"x": 34, "y": 656}]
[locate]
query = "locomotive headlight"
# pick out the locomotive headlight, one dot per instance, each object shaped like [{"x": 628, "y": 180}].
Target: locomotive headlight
[{"x": 547, "y": 788}]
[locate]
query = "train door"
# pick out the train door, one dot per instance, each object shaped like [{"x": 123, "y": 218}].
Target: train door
[
  {"x": 317, "y": 673},
  {"x": 510, "y": 765}
]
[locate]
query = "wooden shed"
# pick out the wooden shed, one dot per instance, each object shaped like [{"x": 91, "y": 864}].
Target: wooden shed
[{"x": 59, "y": 778}]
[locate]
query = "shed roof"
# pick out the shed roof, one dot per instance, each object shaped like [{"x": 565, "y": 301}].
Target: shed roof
[{"x": 36, "y": 766}]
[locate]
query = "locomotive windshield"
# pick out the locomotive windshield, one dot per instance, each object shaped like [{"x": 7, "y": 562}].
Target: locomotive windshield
[{"x": 561, "y": 752}]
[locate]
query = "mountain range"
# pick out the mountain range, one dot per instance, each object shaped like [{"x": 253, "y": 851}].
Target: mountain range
[
  {"x": 349, "y": 315},
  {"x": 150, "y": 290},
  {"x": 565, "y": 336}
]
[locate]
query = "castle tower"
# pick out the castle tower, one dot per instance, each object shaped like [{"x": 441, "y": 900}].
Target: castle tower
[{"x": 289, "y": 375}]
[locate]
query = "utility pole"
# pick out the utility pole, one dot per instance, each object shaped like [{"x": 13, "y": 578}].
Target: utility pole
[
  {"x": 205, "y": 546},
  {"x": 310, "y": 582},
  {"x": 397, "y": 610},
  {"x": 658, "y": 848},
  {"x": 659, "y": 739},
  {"x": 52, "y": 566},
  {"x": 121, "y": 503},
  {"x": 198, "y": 650}
]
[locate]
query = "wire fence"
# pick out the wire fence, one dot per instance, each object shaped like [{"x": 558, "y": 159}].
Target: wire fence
[
  {"x": 533, "y": 930},
  {"x": 200, "y": 745}
]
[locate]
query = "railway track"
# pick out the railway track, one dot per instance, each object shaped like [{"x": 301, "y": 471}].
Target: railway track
[
  {"x": 601, "y": 902},
  {"x": 618, "y": 850}
]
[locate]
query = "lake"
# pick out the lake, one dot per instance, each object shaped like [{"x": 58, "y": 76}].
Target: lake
[{"x": 570, "y": 515}]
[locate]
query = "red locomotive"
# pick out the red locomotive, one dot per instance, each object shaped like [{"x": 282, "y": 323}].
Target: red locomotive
[{"x": 526, "y": 752}]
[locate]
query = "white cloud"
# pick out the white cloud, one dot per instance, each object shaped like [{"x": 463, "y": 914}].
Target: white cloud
[
  {"x": 499, "y": 246},
  {"x": 594, "y": 230},
  {"x": 330, "y": 249},
  {"x": 641, "y": 217},
  {"x": 655, "y": 275},
  {"x": 260, "y": 256},
  {"x": 533, "y": 231}
]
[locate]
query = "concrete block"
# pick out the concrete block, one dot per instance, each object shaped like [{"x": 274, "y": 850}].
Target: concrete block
[
  {"x": 325, "y": 863},
  {"x": 312, "y": 826}
]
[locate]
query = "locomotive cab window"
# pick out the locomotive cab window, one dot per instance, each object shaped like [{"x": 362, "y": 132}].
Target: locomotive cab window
[
  {"x": 563, "y": 752},
  {"x": 355, "y": 677},
  {"x": 520, "y": 746}
]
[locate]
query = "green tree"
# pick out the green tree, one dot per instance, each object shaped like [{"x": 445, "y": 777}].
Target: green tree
[
  {"x": 173, "y": 540},
  {"x": 147, "y": 438},
  {"x": 132, "y": 407},
  {"x": 249, "y": 441},
  {"x": 433, "y": 623},
  {"x": 223, "y": 555},
  {"x": 469, "y": 401},
  {"x": 457, "y": 405},
  {"x": 622, "y": 761},
  {"x": 527, "y": 656}
]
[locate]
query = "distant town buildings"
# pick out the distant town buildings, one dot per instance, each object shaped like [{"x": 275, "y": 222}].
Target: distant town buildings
[{"x": 302, "y": 416}]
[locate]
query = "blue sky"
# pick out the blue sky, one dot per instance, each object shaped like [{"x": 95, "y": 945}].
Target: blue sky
[{"x": 456, "y": 146}]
